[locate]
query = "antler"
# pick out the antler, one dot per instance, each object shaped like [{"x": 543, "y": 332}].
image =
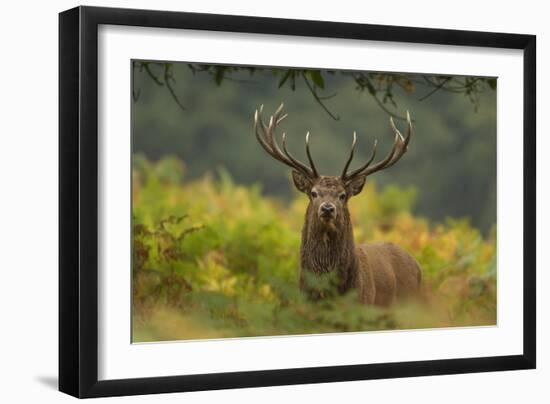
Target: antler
[
  {"x": 268, "y": 142},
  {"x": 399, "y": 148}
]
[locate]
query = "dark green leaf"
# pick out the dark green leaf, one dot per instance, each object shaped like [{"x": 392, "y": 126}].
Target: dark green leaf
[
  {"x": 219, "y": 75},
  {"x": 317, "y": 78}
]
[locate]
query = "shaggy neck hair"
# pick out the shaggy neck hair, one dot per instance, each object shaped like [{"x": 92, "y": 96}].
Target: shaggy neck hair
[{"x": 329, "y": 247}]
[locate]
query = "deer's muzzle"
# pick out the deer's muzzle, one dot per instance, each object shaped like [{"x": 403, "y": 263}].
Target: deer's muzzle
[{"x": 327, "y": 210}]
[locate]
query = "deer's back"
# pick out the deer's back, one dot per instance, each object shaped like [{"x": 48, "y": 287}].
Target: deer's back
[{"x": 386, "y": 272}]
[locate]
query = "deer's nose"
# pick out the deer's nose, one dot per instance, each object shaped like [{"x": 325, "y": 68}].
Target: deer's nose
[{"x": 327, "y": 208}]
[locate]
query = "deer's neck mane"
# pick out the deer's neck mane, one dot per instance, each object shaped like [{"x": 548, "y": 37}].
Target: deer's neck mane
[{"x": 325, "y": 249}]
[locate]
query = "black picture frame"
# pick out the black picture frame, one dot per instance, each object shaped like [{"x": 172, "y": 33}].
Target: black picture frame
[{"x": 78, "y": 201}]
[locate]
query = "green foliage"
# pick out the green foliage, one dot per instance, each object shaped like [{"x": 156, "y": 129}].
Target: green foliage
[
  {"x": 394, "y": 200},
  {"x": 213, "y": 259}
]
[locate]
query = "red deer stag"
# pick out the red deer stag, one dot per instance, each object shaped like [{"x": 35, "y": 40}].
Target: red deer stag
[{"x": 381, "y": 272}]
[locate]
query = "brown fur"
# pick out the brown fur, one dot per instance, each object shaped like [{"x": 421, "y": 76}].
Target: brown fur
[{"x": 381, "y": 272}]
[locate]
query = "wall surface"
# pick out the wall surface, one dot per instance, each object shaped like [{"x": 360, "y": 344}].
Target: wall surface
[{"x": 28, "y": 205}]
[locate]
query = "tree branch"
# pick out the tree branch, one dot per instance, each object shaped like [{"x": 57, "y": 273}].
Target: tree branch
[
  {"x": 436, "y": 89},
  {"x": 318, "y": 99},
  {"x": 168, "y": 77}
]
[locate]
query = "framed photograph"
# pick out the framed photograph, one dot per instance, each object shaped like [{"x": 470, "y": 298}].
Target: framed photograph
[{"x": 251, "y": 201}]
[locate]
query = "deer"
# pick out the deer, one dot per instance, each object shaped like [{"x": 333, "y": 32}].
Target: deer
[{"x": 381, "y": 272}]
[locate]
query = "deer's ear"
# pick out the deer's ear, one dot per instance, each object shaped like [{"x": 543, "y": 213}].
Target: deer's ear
[
  {"x": 356, "y": 185},
  {"x": 301, "y": 182}
]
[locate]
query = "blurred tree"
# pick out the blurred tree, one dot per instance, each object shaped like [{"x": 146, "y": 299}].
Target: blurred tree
[{"x": 380, "y": 86}]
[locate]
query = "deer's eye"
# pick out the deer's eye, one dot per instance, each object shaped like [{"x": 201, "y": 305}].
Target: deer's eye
[
  {"x": 313, "y": 194},
  {"x": 342, "y": 196}
]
